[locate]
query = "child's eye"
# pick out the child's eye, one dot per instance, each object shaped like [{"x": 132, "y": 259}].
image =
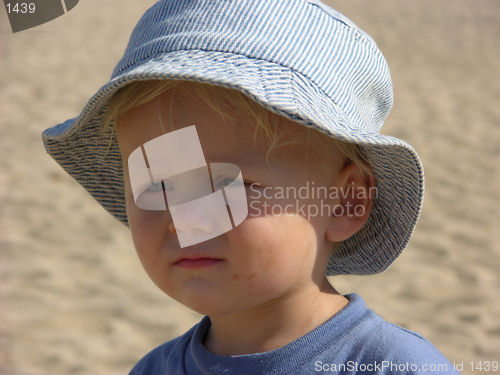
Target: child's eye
[{"x": 158, "y": 186}]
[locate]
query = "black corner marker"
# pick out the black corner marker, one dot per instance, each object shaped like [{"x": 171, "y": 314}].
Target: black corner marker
[{"x": 26, "y": 14}]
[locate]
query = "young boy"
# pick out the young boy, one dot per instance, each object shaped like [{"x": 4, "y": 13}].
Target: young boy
[{"x": 239, "y": 141}]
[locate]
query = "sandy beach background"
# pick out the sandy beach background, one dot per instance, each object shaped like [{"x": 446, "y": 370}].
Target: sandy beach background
[{"x": 74, "y": 298}]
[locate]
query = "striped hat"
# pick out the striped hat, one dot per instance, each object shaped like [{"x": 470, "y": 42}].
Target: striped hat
[{"x": 297, "y": 58}]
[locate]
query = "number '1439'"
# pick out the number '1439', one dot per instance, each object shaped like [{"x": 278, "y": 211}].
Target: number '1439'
[
  {"x": 21, "y": 8},
  {"x": 484, "y": 366}
]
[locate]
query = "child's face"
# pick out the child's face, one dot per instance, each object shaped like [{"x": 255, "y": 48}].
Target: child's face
[{"x": 265, "y": 258}]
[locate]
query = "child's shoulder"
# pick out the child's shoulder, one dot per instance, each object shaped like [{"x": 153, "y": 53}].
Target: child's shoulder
[{"x": 374, "y": 345}]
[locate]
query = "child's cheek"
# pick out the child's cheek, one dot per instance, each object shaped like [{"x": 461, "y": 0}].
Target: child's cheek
[
  {"x": 146, "y": 225},
  {"x": 274, "y": 206},
  {"x": 262, "y": 203}
]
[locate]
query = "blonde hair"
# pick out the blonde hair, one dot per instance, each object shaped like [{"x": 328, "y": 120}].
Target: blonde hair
[{"x": 228, "y": 103}]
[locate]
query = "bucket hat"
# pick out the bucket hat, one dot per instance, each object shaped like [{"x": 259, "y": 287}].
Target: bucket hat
[{"x": 297, "y": 58}]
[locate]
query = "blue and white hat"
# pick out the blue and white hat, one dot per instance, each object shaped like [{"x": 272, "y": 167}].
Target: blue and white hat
[{"x": 297, "y": 58}]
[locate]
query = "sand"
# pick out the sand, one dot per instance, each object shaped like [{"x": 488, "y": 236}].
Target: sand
[{"x": 74, "y": 298}]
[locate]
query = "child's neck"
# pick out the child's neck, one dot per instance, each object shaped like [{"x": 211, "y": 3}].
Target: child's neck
[{"x": 272, "y": 326}]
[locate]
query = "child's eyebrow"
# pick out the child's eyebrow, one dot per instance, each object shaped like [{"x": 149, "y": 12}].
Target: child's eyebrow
[
  {"x": 250, "y": 171},
  {"x": 250, "y": 164}
]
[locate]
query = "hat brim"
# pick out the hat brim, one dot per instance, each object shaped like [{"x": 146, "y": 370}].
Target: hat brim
[{"x": 78, "y": 145}]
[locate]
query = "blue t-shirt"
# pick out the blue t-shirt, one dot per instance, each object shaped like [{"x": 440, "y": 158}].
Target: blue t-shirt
[{"x": 354, "y": 341}]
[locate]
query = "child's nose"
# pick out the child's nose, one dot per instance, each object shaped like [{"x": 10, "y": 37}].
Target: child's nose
[
  {"x": 193, "y": 221},
  {"x": 200, "y": 220}
]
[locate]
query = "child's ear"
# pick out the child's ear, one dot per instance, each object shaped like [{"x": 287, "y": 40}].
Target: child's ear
[{"x": 356, "y": 192}]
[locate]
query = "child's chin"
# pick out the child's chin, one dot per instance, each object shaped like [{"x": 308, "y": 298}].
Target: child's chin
[
  {"x": 203, "y": 297},
  {"x": 213, "y": 307}
]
